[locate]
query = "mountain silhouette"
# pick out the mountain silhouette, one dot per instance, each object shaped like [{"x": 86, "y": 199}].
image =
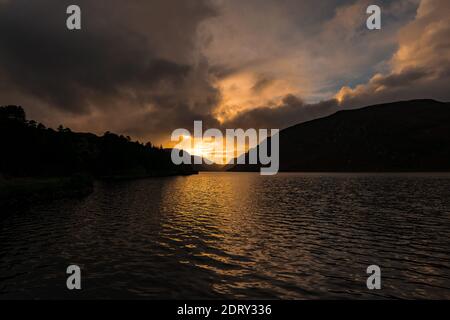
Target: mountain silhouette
[
  {"x": 399, "y": 136},
  {"x": 199, "y": 163}
]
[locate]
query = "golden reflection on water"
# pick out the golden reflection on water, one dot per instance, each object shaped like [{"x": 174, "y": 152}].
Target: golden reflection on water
[
  {"x": 238, "y": 235},
  {"x": 230, "y": 213},
  {"x": 273, "y": 233}
]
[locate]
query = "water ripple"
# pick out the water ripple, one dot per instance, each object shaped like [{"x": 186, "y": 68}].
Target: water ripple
[{"x": 237, "y": 235}]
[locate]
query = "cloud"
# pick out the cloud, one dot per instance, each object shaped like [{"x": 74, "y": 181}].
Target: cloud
[
  {"x": 300, "y": 50},
  {"x": 292, "y": 110},
  {"x": 420, "y": 67},
  {"x": 131, "y": 58},
  {"x": 144, "y": 68},
  {"x": 413, "y": 62},
  {"x": 306, "y": 48},
  {"x": 262, "y": 83}
]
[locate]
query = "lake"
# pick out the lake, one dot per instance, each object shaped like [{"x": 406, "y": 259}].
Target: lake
[{"x": 236, "y": 235}]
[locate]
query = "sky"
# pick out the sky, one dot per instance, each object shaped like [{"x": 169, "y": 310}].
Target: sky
[{"x": 145, "y": 68}]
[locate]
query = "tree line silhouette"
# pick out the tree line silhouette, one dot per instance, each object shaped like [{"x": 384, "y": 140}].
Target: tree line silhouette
[{"x": 29, "y": 149}]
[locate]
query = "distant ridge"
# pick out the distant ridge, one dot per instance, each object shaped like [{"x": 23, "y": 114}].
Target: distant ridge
[
  {"x": 202, "y": 164},
  {"x": 400, "y": 136}
]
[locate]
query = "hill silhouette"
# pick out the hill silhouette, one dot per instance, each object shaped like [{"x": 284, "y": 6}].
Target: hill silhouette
[
  {"x": 400, "y": 136},
  {"x": 29, "y": 149},
  {"x": 203, "y": 166}
]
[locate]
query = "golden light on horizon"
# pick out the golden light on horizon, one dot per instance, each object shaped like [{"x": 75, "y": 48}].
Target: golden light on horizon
[{"x": 211, "y": 149}]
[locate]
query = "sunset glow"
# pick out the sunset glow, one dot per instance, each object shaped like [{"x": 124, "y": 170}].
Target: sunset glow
[{"x": 236, "y": 157}]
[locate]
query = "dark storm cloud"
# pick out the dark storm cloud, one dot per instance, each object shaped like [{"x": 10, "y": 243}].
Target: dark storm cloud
[
  {"x": 291, "y": 111},
  {"x": 151, "y": 123},
  {"x": 405, "y": 78},
  {"x": 127, "y": 55}
]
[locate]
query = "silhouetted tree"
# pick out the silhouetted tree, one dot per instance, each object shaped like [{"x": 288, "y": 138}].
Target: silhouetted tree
[{"x": 12, "y": 113}]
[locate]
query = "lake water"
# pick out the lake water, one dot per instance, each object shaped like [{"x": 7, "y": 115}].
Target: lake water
[{"x": 236, "y": 235}]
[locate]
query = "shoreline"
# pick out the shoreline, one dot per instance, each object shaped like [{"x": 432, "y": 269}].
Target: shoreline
[{"x": 19, "y": 192}]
